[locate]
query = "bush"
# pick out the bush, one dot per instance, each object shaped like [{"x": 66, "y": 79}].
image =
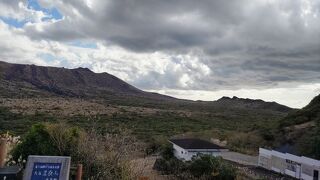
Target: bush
[
  {"x": 156, "y": 144},
  {"x": 65, "y": 138},
  {"x": 170, "y": 166},
  {"x": 167, "y": 152},
  {"x": 201, "y": 167},
  {"x": 103, "y": 156},
  {"x": 308, "y": 143},
  {"x": 36, "y": 142},
  {"x": 210, "y": 167},
  {"x": 245, "y": 142}
]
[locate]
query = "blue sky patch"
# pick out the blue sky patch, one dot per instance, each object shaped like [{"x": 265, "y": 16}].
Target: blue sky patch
[
  {"x": 52, "y": 13},
  {"x": 83, "y": 44},
  {"x": 13, "y": 22},
  {"x": 47, "y": 57}
]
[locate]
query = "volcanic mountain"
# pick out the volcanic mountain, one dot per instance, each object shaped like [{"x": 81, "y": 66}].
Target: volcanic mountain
[
  {"x": 31, "y": 80},
  {"x": 24, "y": 81}
]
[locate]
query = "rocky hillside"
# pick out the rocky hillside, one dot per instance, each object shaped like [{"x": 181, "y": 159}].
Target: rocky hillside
[{"x": 24, "y": 80}]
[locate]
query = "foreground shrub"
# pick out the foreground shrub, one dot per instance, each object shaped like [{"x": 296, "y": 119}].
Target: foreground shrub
[
  {"x": 107, "y": 156},
  {"x": 170, "y": 166},
  {"x": 211, "y": 167},
  {"x": 36, "y": 142},
  {"x": 103, "y": 156},
  {"x": 167, "y": 152}
]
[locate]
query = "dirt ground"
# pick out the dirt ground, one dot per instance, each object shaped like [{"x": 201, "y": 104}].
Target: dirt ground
[{"x": 144, "y": 167}]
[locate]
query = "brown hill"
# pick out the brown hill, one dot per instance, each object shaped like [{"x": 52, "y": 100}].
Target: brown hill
[{"x": 24, "y": 81}]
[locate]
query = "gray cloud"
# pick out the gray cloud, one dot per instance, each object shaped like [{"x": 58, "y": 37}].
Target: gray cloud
[{"x": 243, "y": 43}]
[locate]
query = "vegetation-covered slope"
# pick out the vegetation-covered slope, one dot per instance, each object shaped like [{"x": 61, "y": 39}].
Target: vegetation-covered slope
[
  {"x": 83, "y": 98},
  {"x": 301, "y": 129},
  {"x": 310, "y": 113},
  {"x": 25, "y": 81}
]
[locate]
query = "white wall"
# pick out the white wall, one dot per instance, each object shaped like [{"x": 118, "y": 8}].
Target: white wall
[
  {"x": 315, "y": 164},
  {"x": 186, "y": 155},
  {"x": 179, "y": 152}
]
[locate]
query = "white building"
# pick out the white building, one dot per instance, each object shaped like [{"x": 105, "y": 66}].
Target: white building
[
  {"x": 185, "y": 149},
  {"x": 299, "y": 167}
]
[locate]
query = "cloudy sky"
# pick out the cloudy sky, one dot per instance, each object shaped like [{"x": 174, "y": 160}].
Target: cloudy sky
[{"x": 192, "y": 49}]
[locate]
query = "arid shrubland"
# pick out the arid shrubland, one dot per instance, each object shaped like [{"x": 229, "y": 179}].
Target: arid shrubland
[
  {"x": 104, "y": 156},
  {"x": 108, "y": 156}
]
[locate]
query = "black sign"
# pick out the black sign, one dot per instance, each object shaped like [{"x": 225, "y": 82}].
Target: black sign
[
  {"x": 9, "y": 173},
  {"x": 292, "y": 162}
]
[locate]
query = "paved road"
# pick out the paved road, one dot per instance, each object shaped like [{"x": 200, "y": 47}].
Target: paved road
[{"x": 240, "y": 158}]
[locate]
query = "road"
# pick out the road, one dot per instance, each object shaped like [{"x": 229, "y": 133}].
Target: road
[{"x": 240, "y": 158}]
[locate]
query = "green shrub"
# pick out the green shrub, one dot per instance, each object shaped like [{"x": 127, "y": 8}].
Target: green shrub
[
  {"x": 167, "y": 152},
  {"x": 36, "y": 142},
  {"x": 201, "y": 167},
  {"x": 209, "y": 167},
  {"x": 103, "y": 156},
  {"x": 170, "y": 166}
]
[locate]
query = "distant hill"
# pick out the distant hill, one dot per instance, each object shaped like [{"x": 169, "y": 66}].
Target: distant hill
[
  {"x": 251, "y": 103},
  {"x": 24, "y": 81}
]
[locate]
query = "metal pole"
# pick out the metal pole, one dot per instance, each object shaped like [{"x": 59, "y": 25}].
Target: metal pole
[
  {"x": 3, "y": 152},
  {"x": 79, "y": 172}
]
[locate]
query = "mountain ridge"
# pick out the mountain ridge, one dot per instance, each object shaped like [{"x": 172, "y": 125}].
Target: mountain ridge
[
  {"x": 252, "y": 103},
  {"x": 78, "y": 82},
  {"x": 31, "y": 80}
]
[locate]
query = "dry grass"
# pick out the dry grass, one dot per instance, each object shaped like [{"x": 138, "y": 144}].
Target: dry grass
[
  {"x": 75, "y": 106},
  {"x": 144, "y": 167}
]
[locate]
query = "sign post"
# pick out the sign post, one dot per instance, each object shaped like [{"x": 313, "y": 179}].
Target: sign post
[
  {"x": 3, "y": 152},
  {"x": 79, "y": 172},
  {"x": 47, "y": 168}
]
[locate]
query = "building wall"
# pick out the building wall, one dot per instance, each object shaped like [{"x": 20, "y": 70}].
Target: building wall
[
  {"x": 265, "y": 162},
  {"x": 278, "y": 164},
  {"x": 296, "y": 166},
  {"x": 187, "y": 155},
  {"x": 179, "y": 152}
]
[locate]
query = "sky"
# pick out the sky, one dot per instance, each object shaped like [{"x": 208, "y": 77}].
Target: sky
[{"x": 191, "y": 49}]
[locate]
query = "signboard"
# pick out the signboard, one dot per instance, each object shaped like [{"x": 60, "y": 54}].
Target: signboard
[
  {"x": 47, "y": 168},
  {"x": 44, "y": 171}
]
